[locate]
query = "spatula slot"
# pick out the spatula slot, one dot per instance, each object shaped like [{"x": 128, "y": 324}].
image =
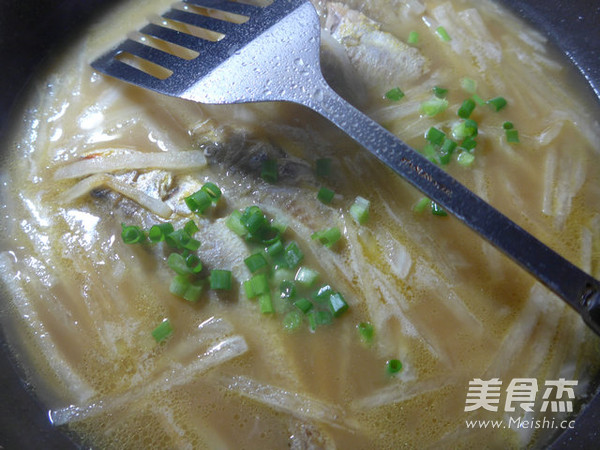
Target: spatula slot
[
  {"x": 211, "y": 12},
  {"x": 148, "y": 67},
  {"x": 156, "y": 42},
  {"x": 208, "y": 23},
  {"x": 186, "y": 29},
  {"x": 243, "y": 8}
]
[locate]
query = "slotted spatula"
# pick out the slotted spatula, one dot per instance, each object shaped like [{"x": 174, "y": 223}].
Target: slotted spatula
[{"x": 243, "y": 53}]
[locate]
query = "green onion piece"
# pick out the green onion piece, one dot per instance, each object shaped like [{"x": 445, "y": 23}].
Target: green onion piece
[
  {"x": 468, "y": 143},
  {"x": 497, "y": 103},
  {"x": 303, "y": 305},
  {"x": 465, "y": 158},
  {"x": 394, "y": 94},
  {"x": 512, "y": 136},
  {"x": 337, "y": 304},
  {"x": 179, "y": 284},
  {"x": 287, "y": 289},
  {"x": 435, "y": 136},
  {"x": 478, "y": 99},
  {"x": 323, "y": 167},
  {"x": 194, "y": 264},
  {"x": 178, "y": 264},
  {"x": 464, "y": 129},
  {"x": 257, "y": 285},
  {"x": 269, "y": 171},
  {"x": 393, "y": 366},
  {"x": 467, "y": 107},
  {"x": 293, "y": 255},
  {"x": 158, "y": 232},
  {"x": 508, "y": 125},
  {"x": 292, "y": 321},
  {"x": 469, "y": 85},
  {"x": 162, "y": 331},
  {"x": 234, "y": 223},
  {"x": 198, "y": 202},
  {"x": 440, "y": 92},
  {"x": 132, "y": 234},
  {"x": 275, "y": 249},
  {"x": 448, "y": 147},
  {"x": 430, "y": 153},
  {"x": 327, "y": 237},
  {"x": 323, "y": 318},
  {"x": 325, "y": 195},
  {"x": 323, "y": 293},
  {"x": 265, "y": 304},
  {"x": 179, "y": 239},
  {"x": 255, "y": 262},
  {"x": 253, "y": 219},
  {"x": 421, "y": 205},
  {"x": 437, "y": 210},
  {"x": 220, "y": 279},
  {"x": 360, "y": 210},
  {"x": 443, "y": 34},
  {"x": 366, "y": 332},
  {"x": 190, "y": 227},
  {"x": 413, "y": 38},
  {"x": 434, "y": 106},
  {"x": 213, "y": 191},
  {"x": 306, "y": 277},
  {"x": 194, "y": 291}
]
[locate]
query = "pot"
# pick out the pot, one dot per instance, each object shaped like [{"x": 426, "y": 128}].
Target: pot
[{"x": 31, "y": 31}]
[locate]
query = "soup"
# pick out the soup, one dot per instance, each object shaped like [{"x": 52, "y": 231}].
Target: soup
[{"x": 287, "y": 289}]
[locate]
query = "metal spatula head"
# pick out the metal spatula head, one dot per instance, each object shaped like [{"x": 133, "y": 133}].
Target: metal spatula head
[{"x": 219, "y": 51}]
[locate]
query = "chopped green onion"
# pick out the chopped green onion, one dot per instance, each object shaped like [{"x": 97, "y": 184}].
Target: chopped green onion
[
  {"x": 325, "y": 195},
  {"x": 443, "y": 34},
  {"x": 318, "y": 318},
  {"x": 478, "y": 99},
  {"x": 257, "y": 285},
  {"x": 234, "y": 223},
  {"x": 434, "y": 106},
  {"x": 292, "y": 321},
  {"x": 269, "y": 171},
  {"x": 512, "y": 136},
  {"x": 323, "y": 167},
  {"x": 440, "y": 92},
  {"x": 448, "y": 147},
  {"x": 253, "y": 219},
  {"x": 468, "y": 85},
  {"x": 337, "y": 304},
  {"x": 393, "y": 366},
  {"x": 497, "y": 103},
  {"x": 181, "y": 240},
  {"x": 306, "y": 276},
  {"x": 508, "y": 125},
  {"x": 198, "y": 202},
  {"x": 275, "y": 249},
  {"x": 435, "y": 136},
  {"x": 303, "y": 305},
  {"x": 327, "y": 237},
  {"x": 190, "y": 227},
  {"x": 394, "y": 94},
  {"x": 179, "y": 284},
  {"x": 132, "y": 234},
  {"x": 194, "y": 264},
  {"x": 468, "y": 143},
  {"x": 366, "y": 332},
  {"x": 360, "y": 210},
  {"x": 467, "y": 107},
  {"x": 421, "y": 205},
  {"x": 213, "y": 191},
  {"x": 178, "y": 264},
  {"x": 323, "y": 293},
  {"x": 158, "y": 232},
  {"x": 437, "y": 210},
  {"x": 465, "y": 158},
  {"x": 220, "y": 279},
  {"x": 265, "y": 304},
  {"x": 194, "y": 291},
  {"x": 287, "y": 289},
  {"x": 430, "y": 153},
  {"x": 413, "y": 38},
  {"x": 293, "y": 255},
  {"x": 255, "y": 262},
  {"x": 464, "y": 129},
  {"x": 162, "y": 331}
]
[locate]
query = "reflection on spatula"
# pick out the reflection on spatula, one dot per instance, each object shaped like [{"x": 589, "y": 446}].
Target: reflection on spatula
[{"x": 217, "y": 51}]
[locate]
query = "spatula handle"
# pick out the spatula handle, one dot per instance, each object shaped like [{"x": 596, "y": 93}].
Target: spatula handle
[{"x": 573, "y": 285}]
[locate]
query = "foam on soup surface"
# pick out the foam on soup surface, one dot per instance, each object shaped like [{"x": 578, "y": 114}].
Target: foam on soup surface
[{"x": 242, "y": 367}]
